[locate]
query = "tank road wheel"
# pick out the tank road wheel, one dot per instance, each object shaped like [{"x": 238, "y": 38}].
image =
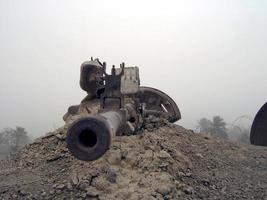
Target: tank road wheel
[
  {"x": 258, "y": 133},
  {"x": 157, "y": 100}
]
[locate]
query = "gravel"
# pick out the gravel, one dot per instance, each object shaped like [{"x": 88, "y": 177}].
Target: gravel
[{"x": 163, "y": 162}]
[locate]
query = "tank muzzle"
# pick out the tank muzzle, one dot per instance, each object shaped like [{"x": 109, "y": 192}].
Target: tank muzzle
[{"x": 89, "y": 138}]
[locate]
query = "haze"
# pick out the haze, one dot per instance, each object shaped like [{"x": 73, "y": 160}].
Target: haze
[{"x": 209, "y": 56}]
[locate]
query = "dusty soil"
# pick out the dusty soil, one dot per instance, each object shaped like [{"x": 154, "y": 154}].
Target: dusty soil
[{"x": 167, "y": 163}]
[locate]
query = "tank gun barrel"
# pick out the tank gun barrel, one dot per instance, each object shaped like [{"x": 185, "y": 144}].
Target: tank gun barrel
[{"x": 90, "y": 137}]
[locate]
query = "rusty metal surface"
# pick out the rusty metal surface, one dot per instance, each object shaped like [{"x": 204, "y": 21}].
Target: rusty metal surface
[
  {"x": 159, "y": 101},
  {"x": 258, "y": 133},
  {"x": 91, "y": 76},
  {"x": 122, "y": 107},
  {"x": 130, "y": 80}
]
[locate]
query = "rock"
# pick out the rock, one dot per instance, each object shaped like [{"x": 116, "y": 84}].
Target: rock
[
  {"x": 53, "y": 158},
  {"x": 101, "y": 183},
  {"x": 180, "y": 174},
  {"x": 132, "y": 158},
  {"x": 83, "y": 185},
  {"x": 22, "y": 192},
  {"x": 49, "y": 134},
  {"x": 83, "y": 195},
  {"x": 188, "y": 174},
  {"x": 164, "y": 177},
  {"x": 60, "y": 186},
  {"x": 61, "y": 136},
  {"x": 205, "y": 182},
  {"x": 43, "y": 193},
  {"x": 164, "y": 189},
  {"x": 92, "y": 191},
  {"x": 223, "y": 190},
  {"x": 199, "y": 155},
  {"x": 111, "y": 175},
  {"x": 125, "y": 193},
  {"x": 148, "y": 154},
  {"x": 188, "y": 190},
  {"x": 52, "y": 192},
  {"x": 163, "y": 154},
  {"x": 207, "y": 137},
  {"x": 38, "y": 140},
  {"x": 164, "y": 166},
  {"x": 74, "y": 179},
  {"x": 114, "y": 157},
  {"x": 136, "y": 196},
  {"x": 122, "y": 182},
  {"x": 124, "y": 154},
  {"x": 69, "y": 186}
]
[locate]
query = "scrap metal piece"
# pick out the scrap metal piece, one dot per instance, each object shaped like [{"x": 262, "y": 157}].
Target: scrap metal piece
[{"x": 258, "y": 133}]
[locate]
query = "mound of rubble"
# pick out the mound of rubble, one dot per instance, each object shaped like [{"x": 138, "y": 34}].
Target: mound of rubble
[{"x": 166, "y": 162}]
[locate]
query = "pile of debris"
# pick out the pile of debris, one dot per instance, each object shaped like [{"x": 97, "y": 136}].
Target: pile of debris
[{"x": 164, "y": 162}]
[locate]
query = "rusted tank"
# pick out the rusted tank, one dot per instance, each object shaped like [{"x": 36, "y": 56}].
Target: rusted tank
[{"x": 123, "y": 105}]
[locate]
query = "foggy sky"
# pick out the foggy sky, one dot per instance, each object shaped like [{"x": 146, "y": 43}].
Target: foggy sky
[{"x": 209, "y": 55}]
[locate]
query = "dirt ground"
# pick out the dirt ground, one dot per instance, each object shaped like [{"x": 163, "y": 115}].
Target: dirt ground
[{"x": 167, "y": 163}]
